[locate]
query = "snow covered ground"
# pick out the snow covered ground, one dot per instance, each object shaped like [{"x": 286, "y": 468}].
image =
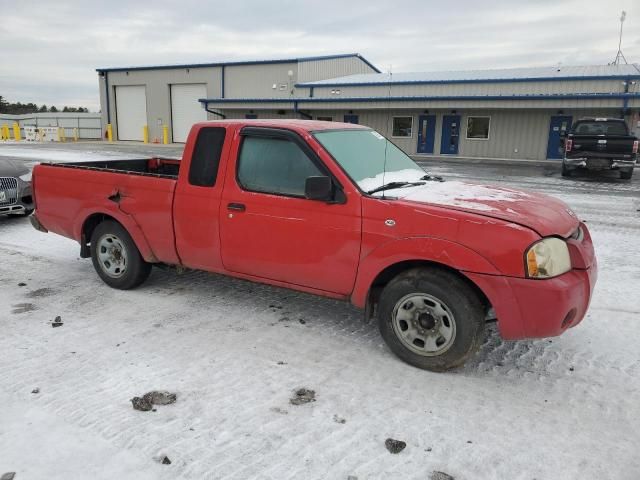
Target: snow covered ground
[{"x": 563, "y": 408}]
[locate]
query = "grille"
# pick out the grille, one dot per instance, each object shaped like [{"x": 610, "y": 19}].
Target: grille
[{"x": 8, "y": 191}]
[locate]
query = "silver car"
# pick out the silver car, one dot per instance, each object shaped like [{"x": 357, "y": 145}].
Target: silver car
[{"x": 15, "y": 189}]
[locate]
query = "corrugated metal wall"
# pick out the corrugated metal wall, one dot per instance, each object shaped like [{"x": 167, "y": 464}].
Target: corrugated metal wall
[
  {"x": 469, "y": 89},
  {"x": 88, "y": 124},
  {"x": 513, "y": 134},
  {"x": 314, "y": 70},
  {"x": 158, "y": 89},
  {"x": 257, "y": 81}
]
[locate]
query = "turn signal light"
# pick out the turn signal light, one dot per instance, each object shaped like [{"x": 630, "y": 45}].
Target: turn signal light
[
  {"x": 635, "y": 147},
  {"x": 569, "y": 143}
]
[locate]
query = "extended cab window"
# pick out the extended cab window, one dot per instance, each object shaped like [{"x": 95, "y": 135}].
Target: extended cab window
[
  {"x": 206, "y": 156},
  {"x": 274, "y": 165}
]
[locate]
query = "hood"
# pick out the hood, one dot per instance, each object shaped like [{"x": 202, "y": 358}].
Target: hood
[
  {"x": 11, "y": 168},
  {"x": 544, "y": 214}
]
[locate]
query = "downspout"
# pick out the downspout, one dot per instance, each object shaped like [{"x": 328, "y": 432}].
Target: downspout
[
  {"x": 206, "y": 107},
  {"x": 222, "y": 82},
  {"x": 106, "y": 86},
  {"x": 300, "y": 112}
]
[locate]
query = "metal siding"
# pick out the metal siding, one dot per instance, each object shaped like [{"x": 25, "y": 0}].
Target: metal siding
[
  {"x": 256, "y": 81},
  {"x": 324, "y": 69},
  {"x": 473, "y": 89},
  {"x": 158, "y": 83}
]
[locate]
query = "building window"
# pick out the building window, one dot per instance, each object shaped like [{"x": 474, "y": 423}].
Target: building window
[
  {"x": 325, "y": 119},
  {"x": 402, "y": 127},
  {"x": 478, "y": 128}
]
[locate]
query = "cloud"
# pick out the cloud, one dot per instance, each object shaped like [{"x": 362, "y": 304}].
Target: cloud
[{"x": 49, "y": 55}]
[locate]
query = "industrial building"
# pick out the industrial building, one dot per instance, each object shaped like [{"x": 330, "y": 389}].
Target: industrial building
[{"x": 507, "y": 113}]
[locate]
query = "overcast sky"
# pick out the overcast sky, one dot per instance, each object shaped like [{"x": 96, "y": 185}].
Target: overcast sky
[{"x": 49, "y": 50}]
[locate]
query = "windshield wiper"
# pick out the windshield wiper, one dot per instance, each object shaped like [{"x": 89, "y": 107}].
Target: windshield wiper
[
  {"x": 392, "y": 185},
  {"x": 433, "y": 178}
]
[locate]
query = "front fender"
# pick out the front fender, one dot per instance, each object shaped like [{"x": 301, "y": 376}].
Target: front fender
[
  {"x": 443, "y": 252},
  {"x": 127, "y": 221}
]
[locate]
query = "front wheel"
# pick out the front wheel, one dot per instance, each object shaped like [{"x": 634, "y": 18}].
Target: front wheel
[
  {"x": 626, "y": 174},
  {"x": 116, "y": 258},
  {"x": 431, "y": 318}
]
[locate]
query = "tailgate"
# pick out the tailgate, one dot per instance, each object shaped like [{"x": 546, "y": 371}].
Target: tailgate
[{"x": 599, "y": 144}]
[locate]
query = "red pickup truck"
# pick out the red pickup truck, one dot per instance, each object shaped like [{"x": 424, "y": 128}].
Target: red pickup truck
[{"x": 336, "y": 210}]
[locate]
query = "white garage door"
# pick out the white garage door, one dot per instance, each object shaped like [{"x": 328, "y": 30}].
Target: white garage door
[
  {"x": 131, "y": 111},
  {"x": 185, "y": 108}
]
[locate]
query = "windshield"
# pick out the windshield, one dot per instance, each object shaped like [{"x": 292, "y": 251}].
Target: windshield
[{"x": 361, "y": 153}]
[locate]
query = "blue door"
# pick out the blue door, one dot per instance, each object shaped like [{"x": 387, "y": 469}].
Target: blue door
[
  {"x": 351, "y": 118},
  {"x": 450, "y": 134},
  {"x": 557, "y": 125},
  {"x": 426, "y": 133}
]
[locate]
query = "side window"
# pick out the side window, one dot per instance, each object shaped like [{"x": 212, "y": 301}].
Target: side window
[
  {"x": 206, "y": 156},
  {"x": 274, "y": 165}
]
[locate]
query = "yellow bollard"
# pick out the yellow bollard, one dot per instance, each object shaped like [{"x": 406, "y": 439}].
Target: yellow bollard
[
  {"x": 165, "y": 134},
  {"x": 2, "y": 134},
  {"x": 109, "y": 132},
  {"x": 75, "y": 135},
  {"x": 145, "y": 133},
  {"x": 61, "y": 134},
  {"x": 16, "y": 131},
  {"x": 5, "y": 127}
]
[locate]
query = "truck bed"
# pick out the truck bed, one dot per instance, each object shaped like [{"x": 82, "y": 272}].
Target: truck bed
[
  {"x": 141, "y": 189},
  {"x": 156, "y": 167}
]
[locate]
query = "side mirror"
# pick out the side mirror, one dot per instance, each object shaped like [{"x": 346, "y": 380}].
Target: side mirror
[{"x": 318, "y": 188}]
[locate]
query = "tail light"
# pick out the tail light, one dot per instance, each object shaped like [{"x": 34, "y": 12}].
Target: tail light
[
  {"x": 635, "y": 147},
  {"x": 568, "y": 143}
]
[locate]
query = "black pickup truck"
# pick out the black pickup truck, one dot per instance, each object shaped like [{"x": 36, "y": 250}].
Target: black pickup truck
[{"x": 600, "y": 144}]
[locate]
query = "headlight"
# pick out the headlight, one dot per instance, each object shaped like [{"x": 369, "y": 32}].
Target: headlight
[
  {"x": 26, "y": 177},
  {"x": 548, "y": 258}
]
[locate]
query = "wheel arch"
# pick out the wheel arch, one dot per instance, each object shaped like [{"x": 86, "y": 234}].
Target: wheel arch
[
  {"x": 395, "y": 269},
  {"x": 94, "y": 219}
]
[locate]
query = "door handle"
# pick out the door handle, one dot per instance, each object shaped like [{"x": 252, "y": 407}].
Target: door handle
[{"x": 238, "y": 207}]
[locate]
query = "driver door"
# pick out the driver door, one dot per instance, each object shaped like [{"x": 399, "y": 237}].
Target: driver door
[{"x": 270, "y": 230}]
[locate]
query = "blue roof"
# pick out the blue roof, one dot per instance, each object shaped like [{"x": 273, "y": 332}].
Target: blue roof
[
  {"x": 471, "y": 76},
  {"x": 239, "y": 62}
]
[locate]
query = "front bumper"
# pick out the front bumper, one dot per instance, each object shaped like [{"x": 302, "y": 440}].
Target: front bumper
[
  {"x": 528, "y": 308},
  {"x": 538, "y": 308},
  {"x": 23, "y": 203}
]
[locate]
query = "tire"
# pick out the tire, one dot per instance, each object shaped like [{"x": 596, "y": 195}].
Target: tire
[
  {"x": 566, "y": 172},
  {"x": 116, "y": 258},
  {"x": 626, "y": 174},
  {"x": 444, "y": 304}
]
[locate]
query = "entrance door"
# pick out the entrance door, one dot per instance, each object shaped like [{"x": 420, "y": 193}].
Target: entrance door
[
  {"x": 450, "y": 134},
  {"x": 351, "y": 118},
  {"x": 426, "y": 133},
  {"x": 557, "y": 125}
]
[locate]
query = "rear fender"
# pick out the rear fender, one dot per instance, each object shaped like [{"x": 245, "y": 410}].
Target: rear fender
[
  {"x": 126, "y": 220},
  {"x": 435, "y": 250}
]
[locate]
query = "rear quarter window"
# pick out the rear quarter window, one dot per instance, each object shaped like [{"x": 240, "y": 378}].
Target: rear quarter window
[{"x": 206, "y": 156}]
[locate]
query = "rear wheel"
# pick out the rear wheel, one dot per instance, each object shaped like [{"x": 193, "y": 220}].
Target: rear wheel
[
  {"x": 626, "y": 174},
  {"x": 566, "y": 172},
  {"x": 431, "y": 318},
  {"x": 116, "y": 258}
]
